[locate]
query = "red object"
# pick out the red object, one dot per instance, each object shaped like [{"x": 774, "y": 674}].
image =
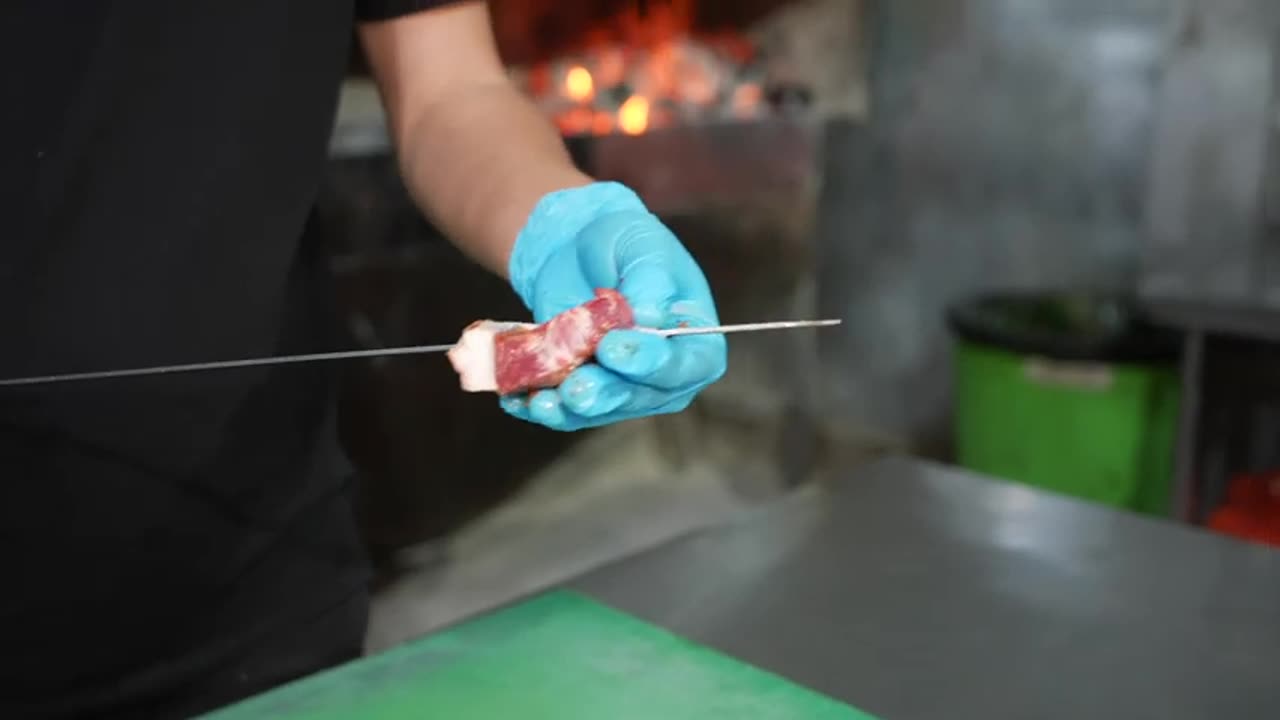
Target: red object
[
  {"x": 543, "y": 356},
  {"x": 1252, "y": 509}
]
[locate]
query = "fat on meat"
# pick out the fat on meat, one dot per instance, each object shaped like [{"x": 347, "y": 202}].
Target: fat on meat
[{"x": 473, "y": 356}]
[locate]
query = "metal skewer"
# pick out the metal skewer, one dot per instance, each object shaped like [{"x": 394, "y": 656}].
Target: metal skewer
[
  {"x": 381, "y": 352},
  {"x": 742, "y": 327}
]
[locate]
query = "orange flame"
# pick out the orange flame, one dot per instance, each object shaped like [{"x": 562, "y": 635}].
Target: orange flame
[
  {"x": 662, "y": 63},
  {"x": 633, "y": 116},
  {"x": 578, "y": 84},
  {"x": 602, "y": 123}
]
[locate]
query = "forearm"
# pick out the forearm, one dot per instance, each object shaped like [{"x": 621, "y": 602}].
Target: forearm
[
  {"x": 475, "y": 153},
  {"x": 478, "y": 161}
]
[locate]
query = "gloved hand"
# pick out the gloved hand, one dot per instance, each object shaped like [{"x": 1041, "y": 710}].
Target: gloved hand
[{"x": 602, "y": 236}]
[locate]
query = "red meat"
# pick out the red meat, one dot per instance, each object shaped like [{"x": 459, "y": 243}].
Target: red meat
[{"x": 543, "y": 356}]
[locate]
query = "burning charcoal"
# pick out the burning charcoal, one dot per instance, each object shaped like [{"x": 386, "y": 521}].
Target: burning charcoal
[
  {"x": 667, "y": 113},
  {"x": 635, "y": 115},
  {"x": 746, "y": 102},
  {"x": 609, "y": 66},
  {"x": 576, "y": 121},
  {"x": 611, "y": 98},
  {"x": 647, "y": 75},
  {"x": 571, "y": 80},
  {"x": 603, "y": 123},
  {"x": 700, "y": 76},
  {"x": 641, "y": 73},
  {"x": 744, "y": 99},
  {"x": 735, "y": 48}
]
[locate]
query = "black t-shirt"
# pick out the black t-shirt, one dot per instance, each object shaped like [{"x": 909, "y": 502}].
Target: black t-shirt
[{"x": 158, "y": 166}]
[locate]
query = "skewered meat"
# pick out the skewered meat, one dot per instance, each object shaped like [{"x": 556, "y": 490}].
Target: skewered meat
[
  {"x": 474, "y": 357},
  {"x": 510, "y": 358}
]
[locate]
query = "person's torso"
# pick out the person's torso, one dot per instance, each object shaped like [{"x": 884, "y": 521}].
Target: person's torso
[{"x": 158, "y": 163}]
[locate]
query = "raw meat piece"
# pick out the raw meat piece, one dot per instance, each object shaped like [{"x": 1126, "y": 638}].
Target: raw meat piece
[
  {"x": 511, "y": 358},
  {"x": 543, "y": 356},
  {"x": 473, "y": 356}
]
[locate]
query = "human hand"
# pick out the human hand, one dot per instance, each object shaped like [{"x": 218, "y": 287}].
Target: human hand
[{"x": 602, "y": 236}]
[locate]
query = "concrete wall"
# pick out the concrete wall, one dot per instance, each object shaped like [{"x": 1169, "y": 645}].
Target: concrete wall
[{"x": 1006, "y": 146}]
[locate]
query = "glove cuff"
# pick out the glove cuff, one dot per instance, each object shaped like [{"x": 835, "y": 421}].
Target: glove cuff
[{"x": 555, "y": 221}]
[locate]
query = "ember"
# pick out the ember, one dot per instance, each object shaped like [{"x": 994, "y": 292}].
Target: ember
[{"x": 642, "y": 72}]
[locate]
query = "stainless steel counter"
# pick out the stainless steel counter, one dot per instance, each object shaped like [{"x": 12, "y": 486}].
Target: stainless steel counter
[{"x": 917, "y": 591}]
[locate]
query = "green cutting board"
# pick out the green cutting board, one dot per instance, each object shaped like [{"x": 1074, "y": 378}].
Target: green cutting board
[{"x": 558, "y": 656}]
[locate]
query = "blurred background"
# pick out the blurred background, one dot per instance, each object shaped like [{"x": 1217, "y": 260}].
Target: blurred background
[{"x": 1048, "y": 226}]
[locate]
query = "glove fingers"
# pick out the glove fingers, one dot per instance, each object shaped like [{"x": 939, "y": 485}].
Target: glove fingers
[
  {"x": 596, "y": 396},
  {"x": 650, "y": 289},
  {"x": 648, "y": 401},
  {"x": 652, "y": 361},
  {"x": 614, "y": 397},
  {"x": 516, "y": 406},
  {"x": 567, "y": 422},
  {"x": 591, "y": 391},
  {"x": 566, "y": 409},
  {"x": 543, "y": 408}
]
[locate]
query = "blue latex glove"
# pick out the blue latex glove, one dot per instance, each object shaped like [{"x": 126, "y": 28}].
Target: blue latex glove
[{"x": 602, "y": 236}]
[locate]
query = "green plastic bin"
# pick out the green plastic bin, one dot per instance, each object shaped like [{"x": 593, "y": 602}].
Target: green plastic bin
[{"x": 1074, "y": 394}]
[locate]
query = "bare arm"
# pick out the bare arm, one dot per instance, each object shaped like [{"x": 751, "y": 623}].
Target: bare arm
[{"x": 475, "y": 153}]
